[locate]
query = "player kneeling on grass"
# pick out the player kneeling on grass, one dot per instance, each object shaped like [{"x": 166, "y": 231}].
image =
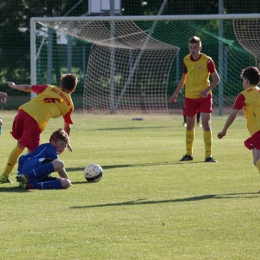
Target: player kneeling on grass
[
  {"x": 249, "y": 101},
  {"x": 34, "y": 169}
]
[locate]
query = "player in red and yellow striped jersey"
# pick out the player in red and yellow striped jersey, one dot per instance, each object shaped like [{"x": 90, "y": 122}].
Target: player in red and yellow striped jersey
[
  {"x": 33, "y": 116},
  {"x": 249, "y": 101},
  {"x": 198, "y": 96}
]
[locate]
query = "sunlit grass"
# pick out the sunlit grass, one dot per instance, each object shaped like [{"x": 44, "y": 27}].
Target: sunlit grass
[{"x": 148, "y": 204}]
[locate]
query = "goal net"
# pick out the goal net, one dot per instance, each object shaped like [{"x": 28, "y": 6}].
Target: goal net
[
  {"x": 247, "y": 32},
  {"x": 133, "y": 64}
]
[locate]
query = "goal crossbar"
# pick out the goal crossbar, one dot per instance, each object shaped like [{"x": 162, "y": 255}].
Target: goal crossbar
[{"x": 147, "y": 17}]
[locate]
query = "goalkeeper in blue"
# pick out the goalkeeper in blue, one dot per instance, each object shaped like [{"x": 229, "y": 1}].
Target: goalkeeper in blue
[{"x": 34, "y": 169}]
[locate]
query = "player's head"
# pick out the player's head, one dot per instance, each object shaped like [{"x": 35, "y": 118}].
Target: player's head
[
  {"x": 68, "y": 82},
  {"x": 195, "y": 46},
  {"x": 59, "y": 139},
  {"x": 250, "y": 76}
]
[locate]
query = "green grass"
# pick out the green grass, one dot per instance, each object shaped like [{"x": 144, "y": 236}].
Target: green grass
[{"x": 148, "y": 204}]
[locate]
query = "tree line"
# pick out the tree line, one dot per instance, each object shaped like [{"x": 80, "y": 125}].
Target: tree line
[{"x": 16, "y": 14}]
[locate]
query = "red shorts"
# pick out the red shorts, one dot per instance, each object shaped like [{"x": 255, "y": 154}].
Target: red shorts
[
  {"x": 253, "y": 141},
  {"x": 26, "y": 130},
  {"x": 195, "y": 105}
]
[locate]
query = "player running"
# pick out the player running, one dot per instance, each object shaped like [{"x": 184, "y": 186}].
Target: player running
[{"x": 249, "y": 101}]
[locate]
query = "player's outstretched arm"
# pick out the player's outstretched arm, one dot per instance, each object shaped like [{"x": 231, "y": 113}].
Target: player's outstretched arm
[
  {"x": 228, "y": 123},
  {"x": 24, "y": 87}
]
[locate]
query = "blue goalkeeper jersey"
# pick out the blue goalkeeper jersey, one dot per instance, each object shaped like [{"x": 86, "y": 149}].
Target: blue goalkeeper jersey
[{"x": 43, "y": 151}]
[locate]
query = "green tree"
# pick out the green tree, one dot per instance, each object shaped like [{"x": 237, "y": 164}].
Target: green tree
[{"x": 15, "y": 32}]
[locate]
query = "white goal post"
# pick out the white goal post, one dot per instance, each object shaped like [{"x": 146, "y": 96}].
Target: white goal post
[{"x": 134, "y": 59}]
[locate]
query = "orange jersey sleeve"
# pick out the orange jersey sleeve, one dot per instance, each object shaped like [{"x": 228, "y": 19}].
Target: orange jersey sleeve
[
  {"x": 39, "y": 88},
  {"x": 67, "y": 117},
  {"x": 239, "y": 102}
]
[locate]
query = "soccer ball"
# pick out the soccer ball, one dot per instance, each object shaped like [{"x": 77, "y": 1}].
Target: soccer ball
[{"x": 93, "y": 173}]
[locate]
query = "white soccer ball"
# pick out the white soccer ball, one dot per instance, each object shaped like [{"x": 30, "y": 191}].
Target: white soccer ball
[{"x": 93, "y": 173}]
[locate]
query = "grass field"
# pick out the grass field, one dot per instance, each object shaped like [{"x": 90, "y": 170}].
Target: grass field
[{"x": 148, "y": 204}]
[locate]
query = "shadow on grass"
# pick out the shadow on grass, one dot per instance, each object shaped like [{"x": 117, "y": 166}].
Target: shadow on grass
[
  {"x": 106, "y": 167},
  {"x": 131, "y": 128},
  {"x": 248, "y": 195},
  {"x": 12, "y": 189}
]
